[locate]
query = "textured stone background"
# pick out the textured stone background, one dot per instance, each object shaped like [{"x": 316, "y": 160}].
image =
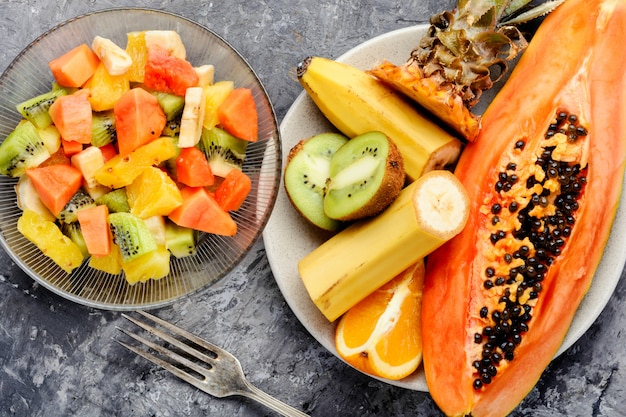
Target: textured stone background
[{"x": 58, "y": 359}]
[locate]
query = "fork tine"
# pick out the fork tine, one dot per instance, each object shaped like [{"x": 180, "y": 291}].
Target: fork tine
[
  {"x": 184, "y": 333},
  {"x": 164, "y": 336},
  {"x": 166, "y": 352},
  {"x": 165, "y": 364}
]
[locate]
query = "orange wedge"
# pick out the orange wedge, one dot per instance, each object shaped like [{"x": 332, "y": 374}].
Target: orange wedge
[{"x": 382, "y": 334}]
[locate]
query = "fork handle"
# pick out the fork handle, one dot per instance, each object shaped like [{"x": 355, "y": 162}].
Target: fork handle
[{"x": 275, "y": 404}]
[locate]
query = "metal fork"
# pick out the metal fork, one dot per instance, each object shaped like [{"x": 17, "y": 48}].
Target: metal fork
[{"x": 219, "y": 373}]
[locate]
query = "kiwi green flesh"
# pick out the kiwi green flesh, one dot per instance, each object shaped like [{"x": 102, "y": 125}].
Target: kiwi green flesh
[
  {"x": 74, "y": 232},
  {"x": 23, "y": 148},
  {"x": 132, "y": 235},
  {"x": 306, "y": 172},
  {"x": 180, "y": 241},
  {"x": 171, "y": 104},
  {"x": 103, "y": 129},
  {"x": 223, "y": 150},
  {"x": 366, "y": 175},
  {"x": 115, "y": 200},
  {"x": 35, "y": 109}
]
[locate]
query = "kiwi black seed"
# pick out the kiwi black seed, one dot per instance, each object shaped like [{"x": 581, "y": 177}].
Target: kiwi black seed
[
  {"x": 366, "y": 175},
  {"x": 306, "y": 173},
  {"x": 223, "y": 151},
  {"x": 103, "y": 129},
  {"x": 21, "y": 149}
]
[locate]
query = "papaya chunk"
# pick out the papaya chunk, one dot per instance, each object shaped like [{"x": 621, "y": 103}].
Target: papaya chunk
[
  {"x": 233, "y": 191},
  {"x": 75, "y": 67},
  {"x": 168, "y": 73},
  {"x": 238, "y": 115},
  {"x": 55, "y": 184},
  {"x": 544, "y": 175},
  {"x": 94, "y": 224},
  {"x": 72, "y": 116},
  {"x": 139, "y": 119},
  {"x": 200, "y": 211}
]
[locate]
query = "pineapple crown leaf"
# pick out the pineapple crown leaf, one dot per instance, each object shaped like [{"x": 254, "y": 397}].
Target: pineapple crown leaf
[{"x": 541, "y": 10}]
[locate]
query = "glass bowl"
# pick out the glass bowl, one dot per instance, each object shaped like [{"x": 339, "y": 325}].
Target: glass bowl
[{"x": 28, "y": 75}]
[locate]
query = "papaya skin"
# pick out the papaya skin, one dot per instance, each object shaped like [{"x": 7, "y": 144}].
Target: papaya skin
[{"x": 574, "y": 62}]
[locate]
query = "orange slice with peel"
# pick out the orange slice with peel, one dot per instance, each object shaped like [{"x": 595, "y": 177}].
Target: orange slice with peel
[{"x": 382, "y": 334}]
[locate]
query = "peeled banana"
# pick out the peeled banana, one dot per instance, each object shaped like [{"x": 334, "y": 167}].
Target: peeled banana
[
  {"x": 193, "y": 117},
  {"x": 366, "y": 255},
  {"x": 356, "y": 103},
  {"x": 115, "y": 59}
]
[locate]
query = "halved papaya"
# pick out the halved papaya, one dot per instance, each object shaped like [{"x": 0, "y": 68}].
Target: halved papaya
[{"x": 544, "y": 177}]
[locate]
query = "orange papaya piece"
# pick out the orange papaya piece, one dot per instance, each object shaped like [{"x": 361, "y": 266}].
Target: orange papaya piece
[
  {"x": 238, "y": 115},
  {"x": 94, "y": 225},
  {"x": 233, "y": 190},
  {"x": 192, "y": 168},
  {"x": 75, "y": 67},
  {"x": 201, "y": 212},
  {"x": 168, "y": 73},
  {"x": 55, "y": 184},
  {"x": 544, "y": 177},
  {"x": 72, "y": 116},
  {"x": 139, "y": 119}
]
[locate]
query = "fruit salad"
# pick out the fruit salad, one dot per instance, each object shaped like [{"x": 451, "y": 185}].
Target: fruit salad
[{"x": 132, "y": 153}]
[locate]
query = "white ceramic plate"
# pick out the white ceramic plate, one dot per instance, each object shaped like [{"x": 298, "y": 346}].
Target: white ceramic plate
[{"x": 288, "y": 238}]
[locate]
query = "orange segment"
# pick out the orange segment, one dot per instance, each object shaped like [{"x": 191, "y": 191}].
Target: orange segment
[{"x": 382, "y": 334}]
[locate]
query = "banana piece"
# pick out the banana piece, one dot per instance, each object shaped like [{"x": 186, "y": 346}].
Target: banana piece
[
  {"x": 115, "y": 59},
  {"x": 88, "y": 161},
  {"x": 357, "y": 103},
  {"x": 205, "y": 75},
  {"x": 193, "y": 117},
  {"x": 361, "y": 258},
  {"x": 168, "y": 39}
]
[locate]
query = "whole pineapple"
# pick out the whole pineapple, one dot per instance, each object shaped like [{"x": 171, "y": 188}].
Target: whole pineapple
[{"x": 464, "y": 52}]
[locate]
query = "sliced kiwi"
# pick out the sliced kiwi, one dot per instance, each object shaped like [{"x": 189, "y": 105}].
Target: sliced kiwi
[
  {"x": 74, "y": 232},
  {"x": 171, "y": 104},
  {"x": 79, "y": 200},
  {"x": 115, "y": 200},
  {"x": 131, "y": 235},
  {"x": 22, "y": 148},
  {"x": 306, "y": 173},
  {"x": 35, "y": 110},
  {"x": 366, "y": 175},
  {"x": 223, "y": 151},
  {"x": 181, "y": 241},
  {"x": 103, "y": 129}
]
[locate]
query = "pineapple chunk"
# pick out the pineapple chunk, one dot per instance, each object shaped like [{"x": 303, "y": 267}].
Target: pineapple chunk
[
  {"x": 47, "y": 236},
  {"x": 153, "y": 265},
  {"x": 214, "y": 96},
  {"x": 111, "y": 263}
]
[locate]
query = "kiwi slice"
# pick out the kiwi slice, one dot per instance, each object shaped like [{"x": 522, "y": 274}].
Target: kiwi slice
[
  {"x": 74, "y": 232},
  {"x": 103, "y": 129},
  {"x": 35, "y": 110},
  {"x": 131, "y": 235},
  {"x": 171, "y": 104},
  {"x": 180, "y": 241},
  {"x": 223, "y": 150},
  {"x": 366, "y": 175},
  {"x": 115, "y": 200},
  {"x": 22, "y": 148},
  {"x": 79, "y": 200},
  {"x": 172, "y": 128},
  {"x": 306, "y": 173}
]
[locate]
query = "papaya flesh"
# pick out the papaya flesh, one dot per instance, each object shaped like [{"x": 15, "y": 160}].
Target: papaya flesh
[{"x": 544, "y": 178}]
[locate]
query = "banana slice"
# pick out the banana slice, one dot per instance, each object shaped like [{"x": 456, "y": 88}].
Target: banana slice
[
  {"x": 361, "y": 258},
  {"x": 115, "y": 59},
  {"x": 192, "y": 118},
  {"x": 169, "y": 40},
  {"x": 205, "y": 75}
]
